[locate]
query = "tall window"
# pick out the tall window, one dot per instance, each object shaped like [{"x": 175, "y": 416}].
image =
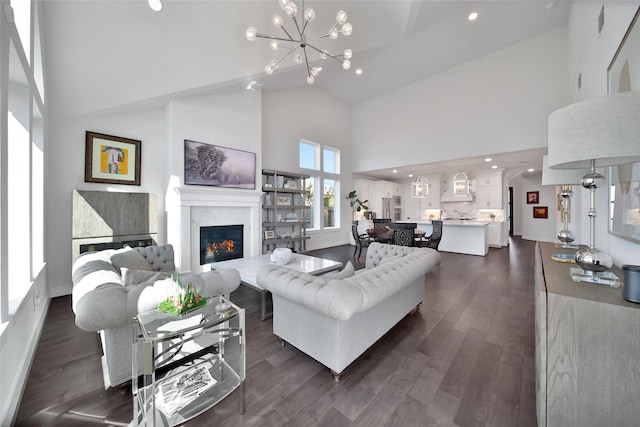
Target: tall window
[
  {"x": 323, "y": 164},
  {"x": 22, "y": 161}
]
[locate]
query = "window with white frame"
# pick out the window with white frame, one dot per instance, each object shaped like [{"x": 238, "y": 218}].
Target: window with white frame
[
  {"x": 323, "y": 164},
  {"x": 22, "y": 160}
]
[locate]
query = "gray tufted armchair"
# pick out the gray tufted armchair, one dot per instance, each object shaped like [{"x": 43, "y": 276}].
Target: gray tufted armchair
[{"x": 111, "y": 287}]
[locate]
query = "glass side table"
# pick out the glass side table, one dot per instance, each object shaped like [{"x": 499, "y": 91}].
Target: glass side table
[{"x": 184, "y": 365}]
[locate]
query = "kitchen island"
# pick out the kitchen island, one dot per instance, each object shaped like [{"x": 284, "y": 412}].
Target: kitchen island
[{"x": 461, "y": 236}]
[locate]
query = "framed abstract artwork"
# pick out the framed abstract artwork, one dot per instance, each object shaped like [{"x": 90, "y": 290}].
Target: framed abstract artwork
[
  {"x": 533, "y": 197},
  {"x": 207, "y": 164},
  {"x": 111, "y": 159},
  {"x": 540, "y": 212}
]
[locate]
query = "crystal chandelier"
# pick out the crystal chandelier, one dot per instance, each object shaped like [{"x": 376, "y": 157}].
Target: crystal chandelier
[{"x": 298, "y": 43}]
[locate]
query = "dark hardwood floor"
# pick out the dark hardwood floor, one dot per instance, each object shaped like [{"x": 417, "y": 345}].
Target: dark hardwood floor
[{"x": 466, "y": 358}]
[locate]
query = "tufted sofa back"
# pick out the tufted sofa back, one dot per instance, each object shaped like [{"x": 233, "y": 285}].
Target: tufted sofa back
[
  {"x": 378, "y": 251},
  {"x": 160, "y": 257},
  {"x": 343, "y": 298}
]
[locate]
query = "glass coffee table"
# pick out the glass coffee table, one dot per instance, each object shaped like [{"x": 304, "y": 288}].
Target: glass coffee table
[
  {"x": 249, "y": 266},
  {"x": 183, "y": 365}
]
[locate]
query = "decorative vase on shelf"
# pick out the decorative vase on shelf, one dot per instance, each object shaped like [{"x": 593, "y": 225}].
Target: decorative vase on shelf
[{"x": 281, "y": 256}]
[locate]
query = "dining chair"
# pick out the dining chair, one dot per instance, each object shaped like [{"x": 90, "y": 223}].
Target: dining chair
[
  {"x": 362, "y": 240},
  {"x": 433, "y": 241},
  {"x": 404, "y": 233},
  {"x": 383, "y": 223}
]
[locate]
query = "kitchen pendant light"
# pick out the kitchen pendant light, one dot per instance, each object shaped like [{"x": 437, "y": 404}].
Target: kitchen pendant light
[{"x": 420, "y": 187}]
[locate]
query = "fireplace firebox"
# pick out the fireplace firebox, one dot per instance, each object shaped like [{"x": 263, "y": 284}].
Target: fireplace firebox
[{"x": 221, "y": 243}]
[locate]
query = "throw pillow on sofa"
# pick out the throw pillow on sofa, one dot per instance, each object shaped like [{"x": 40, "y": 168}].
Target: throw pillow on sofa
[
  {"x": 129, "y": 258},
  {"x": 346, "y": 272}
]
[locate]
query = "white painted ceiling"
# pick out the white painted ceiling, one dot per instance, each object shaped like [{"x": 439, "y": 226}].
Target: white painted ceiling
[{"x": 105, "y": 55}]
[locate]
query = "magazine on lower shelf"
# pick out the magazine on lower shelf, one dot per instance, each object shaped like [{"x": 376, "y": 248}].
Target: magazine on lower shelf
[{"x": 177, "y": 392}]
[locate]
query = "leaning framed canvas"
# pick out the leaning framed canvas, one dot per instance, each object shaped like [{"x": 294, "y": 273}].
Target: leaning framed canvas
[
  {"x": 532, "y": 197},
  {"x": 111, "y": 159},
  {"x": 540, "y": 212},
  {"x": 207, "y": 164}
]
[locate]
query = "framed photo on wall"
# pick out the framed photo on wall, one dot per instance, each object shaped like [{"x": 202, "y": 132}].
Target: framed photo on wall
[
  {"x": 111, "y": 159},
  {"x": 533, "y": 197},
  {"x": 540, "y": 212}
]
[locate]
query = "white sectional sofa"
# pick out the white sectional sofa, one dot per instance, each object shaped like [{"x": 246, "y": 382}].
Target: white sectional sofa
[{"x": 334, "y": 319}]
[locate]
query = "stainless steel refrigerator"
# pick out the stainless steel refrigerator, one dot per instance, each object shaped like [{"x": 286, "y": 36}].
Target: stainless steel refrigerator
[{"x": 392, "y": 208}]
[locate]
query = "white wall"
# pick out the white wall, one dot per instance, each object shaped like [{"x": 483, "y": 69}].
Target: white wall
[
  {"x": 497, "y": 103},
  {"x": 65, "y": 172},
  {"x": 314, "y": 115},
  {"x": 590, "y": 55},
  {"x": 230, "y": 120},
  {"x": 539, "y": 229}
]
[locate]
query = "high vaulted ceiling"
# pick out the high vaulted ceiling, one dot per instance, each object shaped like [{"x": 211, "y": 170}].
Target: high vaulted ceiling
[{"x": 105, "y": 55}]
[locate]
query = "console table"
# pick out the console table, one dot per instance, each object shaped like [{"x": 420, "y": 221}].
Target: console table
[{"x": 587, "y": 349}]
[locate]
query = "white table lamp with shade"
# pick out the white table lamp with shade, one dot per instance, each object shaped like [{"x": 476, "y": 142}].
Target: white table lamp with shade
[{"x": 596, "y": 132}]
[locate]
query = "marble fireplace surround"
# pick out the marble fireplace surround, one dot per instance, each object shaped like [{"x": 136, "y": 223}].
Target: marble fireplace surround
[{"x": 189, "y": 208}]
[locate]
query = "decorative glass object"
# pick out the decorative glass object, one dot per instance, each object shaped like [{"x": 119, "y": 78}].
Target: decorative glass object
[{"x": 281, "y": 256}]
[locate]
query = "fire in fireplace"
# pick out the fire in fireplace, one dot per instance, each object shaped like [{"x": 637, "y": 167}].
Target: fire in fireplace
[{"x": 221, "y": 243}]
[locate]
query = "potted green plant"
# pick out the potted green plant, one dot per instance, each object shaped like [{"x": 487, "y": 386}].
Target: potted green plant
[{"x": 356, "y": 204}]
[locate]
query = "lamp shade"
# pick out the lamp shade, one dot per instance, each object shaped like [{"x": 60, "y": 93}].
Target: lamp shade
[
  {"x": 606, "y": 129},
  {"x": 560, "y": 176}
]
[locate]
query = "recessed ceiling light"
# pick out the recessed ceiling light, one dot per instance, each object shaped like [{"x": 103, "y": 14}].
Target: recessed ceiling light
[
  {"x": 395, "y": 171},
  {"x": 494, "y": 167},
  {"x": 530, "y": 170},
  {"x": 472, "y": 16},
  {"x": 410, "y": 175},
  {"x": 488, "y": 159},
  {"x": 155, "y": 5},
  {"x": 359, "y": 71}
]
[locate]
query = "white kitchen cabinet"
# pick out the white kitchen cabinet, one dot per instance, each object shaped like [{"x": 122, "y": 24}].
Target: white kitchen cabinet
[
  {"x": 412, "y": 207},
  {"x": 365, "y": 190},
  {"x": 495, "y": 234},
  {"x": 386, "y": 189},
  {"x": 488, "y": 188},
  {"x": 489, "y": 197},
  {"x": 432, "y": 201}
]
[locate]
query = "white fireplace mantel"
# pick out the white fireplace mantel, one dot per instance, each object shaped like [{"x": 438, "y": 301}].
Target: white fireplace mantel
[
  {"x": 192, "y": 207},
  {"x": 198, "y": 196}
]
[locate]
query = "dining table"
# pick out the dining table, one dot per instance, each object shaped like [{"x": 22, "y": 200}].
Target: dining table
[{"x": 384, "y": 234}]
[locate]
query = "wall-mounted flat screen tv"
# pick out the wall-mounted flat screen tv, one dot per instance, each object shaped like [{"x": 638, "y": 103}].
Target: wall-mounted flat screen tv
[{"x": 207, "y": 164}]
